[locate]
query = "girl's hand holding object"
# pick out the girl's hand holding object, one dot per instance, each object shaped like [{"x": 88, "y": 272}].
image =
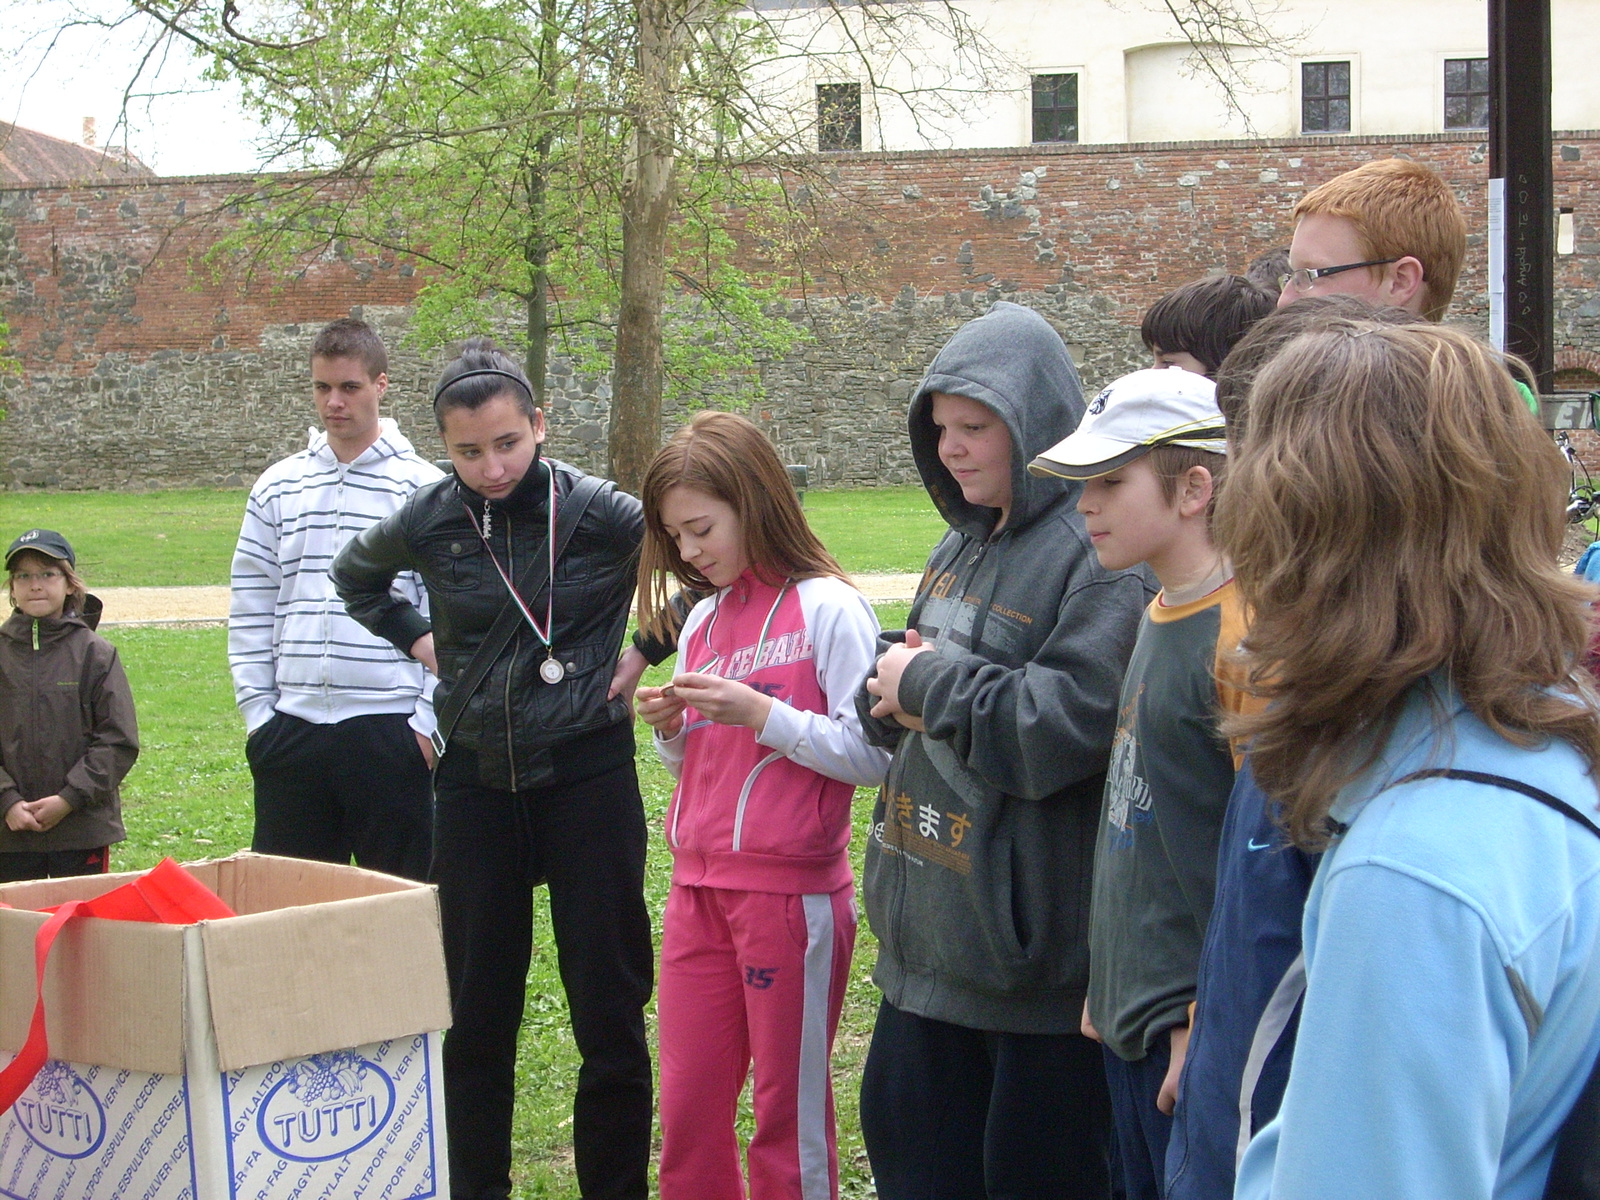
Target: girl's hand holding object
[
  {"x": 725, "y": 701},
  {"x": 660, "y": 709}
]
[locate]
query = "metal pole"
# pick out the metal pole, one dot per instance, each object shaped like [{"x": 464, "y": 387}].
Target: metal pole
[{"x": 1521, "y": 188}]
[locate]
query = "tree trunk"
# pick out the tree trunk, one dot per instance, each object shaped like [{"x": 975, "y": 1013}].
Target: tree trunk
[
  {"x": 537, "y": 254},
  {"x": 537, "y": 361},
  {"x": 537, "y": 248},
  {"x": 647, "y": 196}
]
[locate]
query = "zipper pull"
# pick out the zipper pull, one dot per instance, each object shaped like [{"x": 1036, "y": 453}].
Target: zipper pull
[
  {"x": 488, "y": 520},
  {"x": 36, "y": 633}
]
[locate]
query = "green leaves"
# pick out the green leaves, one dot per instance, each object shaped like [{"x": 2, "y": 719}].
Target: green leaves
[{"x": 488, "y": 142}]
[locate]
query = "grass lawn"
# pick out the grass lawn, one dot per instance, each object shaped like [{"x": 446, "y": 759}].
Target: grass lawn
[
  {"x": 136, "y": 539},
  {"x": 163, "y": 539},
  {"x": 876, "y": 529},
  {"x": 189, "y": 796}
]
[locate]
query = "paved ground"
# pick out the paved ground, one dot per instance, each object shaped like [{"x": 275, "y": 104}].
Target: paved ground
[
  {"x": 163, "y": 605},
  {"x": 209, "y": 605}
]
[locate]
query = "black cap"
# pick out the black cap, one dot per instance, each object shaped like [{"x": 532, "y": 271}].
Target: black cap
[{"x": 43, "y": 541}]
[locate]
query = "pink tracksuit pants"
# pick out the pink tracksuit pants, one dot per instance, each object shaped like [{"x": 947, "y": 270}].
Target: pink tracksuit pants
[{"x": 751, "y": 976}]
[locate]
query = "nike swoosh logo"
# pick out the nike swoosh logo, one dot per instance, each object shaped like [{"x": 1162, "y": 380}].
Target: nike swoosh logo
[{"x": 1255, "y": 845}]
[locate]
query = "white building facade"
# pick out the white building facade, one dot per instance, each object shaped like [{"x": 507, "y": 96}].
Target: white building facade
[{"x": 1117, "y": 71}]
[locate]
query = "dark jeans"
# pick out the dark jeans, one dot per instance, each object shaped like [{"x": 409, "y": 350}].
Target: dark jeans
[
  {"x": 587, "y": 840},
  {"x": 1142, "y": 1129},
  {"x": 951, "y": 1113},
  {"x": 53, "y": 864},
  {"x": 358, "y": 787}
]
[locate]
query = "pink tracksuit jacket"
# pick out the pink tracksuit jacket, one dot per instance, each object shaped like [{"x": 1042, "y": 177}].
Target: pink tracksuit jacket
[{"x": 772, "y": 813}]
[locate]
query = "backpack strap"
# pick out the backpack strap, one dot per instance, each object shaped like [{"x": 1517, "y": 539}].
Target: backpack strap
[{"x": 1511, "y": 785}]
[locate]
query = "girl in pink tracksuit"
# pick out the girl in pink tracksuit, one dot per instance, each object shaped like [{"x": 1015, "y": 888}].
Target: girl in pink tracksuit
[{"x": 760, "y": 728}]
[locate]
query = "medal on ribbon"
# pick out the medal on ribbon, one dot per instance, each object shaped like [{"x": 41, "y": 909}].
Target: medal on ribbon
[{"x": 551, "y": 670}]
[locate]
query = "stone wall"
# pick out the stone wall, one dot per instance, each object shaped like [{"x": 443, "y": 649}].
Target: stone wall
[{"x": 146, "y": 366}]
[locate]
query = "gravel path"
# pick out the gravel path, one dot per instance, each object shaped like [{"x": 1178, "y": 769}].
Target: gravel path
[
  {"x": 209, "y": 605},
  {"x": 163, "y": 605}
]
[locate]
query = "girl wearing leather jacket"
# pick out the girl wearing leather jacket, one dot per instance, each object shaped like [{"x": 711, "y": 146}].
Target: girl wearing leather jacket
[{"x": 535, "y": 780}]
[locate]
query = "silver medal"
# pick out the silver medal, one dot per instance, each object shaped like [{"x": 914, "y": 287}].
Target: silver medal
[{"x": 551, "y": 671}]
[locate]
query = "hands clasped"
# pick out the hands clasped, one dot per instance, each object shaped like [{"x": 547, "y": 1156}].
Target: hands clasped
[
  {"x": 886, "y": 683},
  {"x": 37, "y": 816}
]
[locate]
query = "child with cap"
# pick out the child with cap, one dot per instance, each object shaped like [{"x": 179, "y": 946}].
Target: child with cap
[
  {"x": 1150, "y": 452},
  {"x": 67, "y": 728}
]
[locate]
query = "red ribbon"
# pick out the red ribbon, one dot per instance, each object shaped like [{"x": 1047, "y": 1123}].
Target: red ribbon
[{"x": 165, "y": 895}]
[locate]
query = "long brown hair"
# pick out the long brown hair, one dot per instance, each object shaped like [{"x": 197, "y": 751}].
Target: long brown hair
[
  {"x": 1393, "y": 510},
  {"x": 725, "y": 456},
  {"x": 1273, "y": 332}
]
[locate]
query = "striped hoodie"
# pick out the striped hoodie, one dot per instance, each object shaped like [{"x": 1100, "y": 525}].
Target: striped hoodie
[
  {"x": 771, "y": 812},
  {"x": 291, "y": 646}
]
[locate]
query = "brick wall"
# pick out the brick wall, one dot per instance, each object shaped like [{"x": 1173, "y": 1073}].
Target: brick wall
[{"x": 144, "y": 365}]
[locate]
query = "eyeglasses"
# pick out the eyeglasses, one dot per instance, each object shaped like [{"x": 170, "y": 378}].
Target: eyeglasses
[
  {"x": 1306, "y": 276},
  {"x": 47, "y": 576}
]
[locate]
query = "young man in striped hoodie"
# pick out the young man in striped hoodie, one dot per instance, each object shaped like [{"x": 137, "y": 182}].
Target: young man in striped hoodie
[{"x": 337, "y": 718}]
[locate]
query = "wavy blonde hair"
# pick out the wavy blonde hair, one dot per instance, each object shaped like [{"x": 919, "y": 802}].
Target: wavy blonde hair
[{"x": 1393, "y": 510}]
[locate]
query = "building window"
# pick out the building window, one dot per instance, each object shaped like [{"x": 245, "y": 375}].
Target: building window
[
  {"x": 1466, "y": 93},
  {"x": 838, "y": 116},
  {"x": 1325, "y": 97},
  {"x": 1055, "y": 108}
]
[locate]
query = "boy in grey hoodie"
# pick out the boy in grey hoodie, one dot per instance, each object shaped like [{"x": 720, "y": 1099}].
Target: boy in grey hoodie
[{"x": 999, "y": 702}]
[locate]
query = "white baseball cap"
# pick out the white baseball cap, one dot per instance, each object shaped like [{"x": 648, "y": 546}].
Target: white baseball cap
[{"x": 1135, "y": 414}]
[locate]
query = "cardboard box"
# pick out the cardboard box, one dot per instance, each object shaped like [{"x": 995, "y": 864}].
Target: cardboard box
[{"x": 291, "y": 1051}]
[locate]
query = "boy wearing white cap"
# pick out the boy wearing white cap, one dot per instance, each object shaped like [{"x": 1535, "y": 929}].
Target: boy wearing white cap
[{"x": 1150, "y": 452}]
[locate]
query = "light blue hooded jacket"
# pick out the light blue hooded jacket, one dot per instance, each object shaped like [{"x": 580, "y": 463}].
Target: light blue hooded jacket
[{"x": 1452, "y": 1006}]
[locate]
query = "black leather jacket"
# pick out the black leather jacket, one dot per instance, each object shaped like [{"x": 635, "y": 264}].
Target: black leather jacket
[{"x": 514, "y": 719}]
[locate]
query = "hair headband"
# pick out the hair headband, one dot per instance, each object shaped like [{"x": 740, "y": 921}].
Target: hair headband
[{"x": 517, "y": 379}]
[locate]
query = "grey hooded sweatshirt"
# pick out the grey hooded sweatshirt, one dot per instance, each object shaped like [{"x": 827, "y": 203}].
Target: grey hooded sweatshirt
[{"x": 979, "y": 860}]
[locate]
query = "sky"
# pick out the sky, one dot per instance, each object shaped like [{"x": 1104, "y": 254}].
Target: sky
[{"x": 185, "y": 126}]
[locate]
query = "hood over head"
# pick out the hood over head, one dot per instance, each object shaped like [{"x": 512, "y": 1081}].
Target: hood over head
[{"x": 1011, "y": 361}]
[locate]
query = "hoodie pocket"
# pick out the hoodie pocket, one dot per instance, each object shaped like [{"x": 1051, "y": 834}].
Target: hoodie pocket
[
  {"x": 1008, "y": 931},
  {"x": 956, "y": 926}
]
